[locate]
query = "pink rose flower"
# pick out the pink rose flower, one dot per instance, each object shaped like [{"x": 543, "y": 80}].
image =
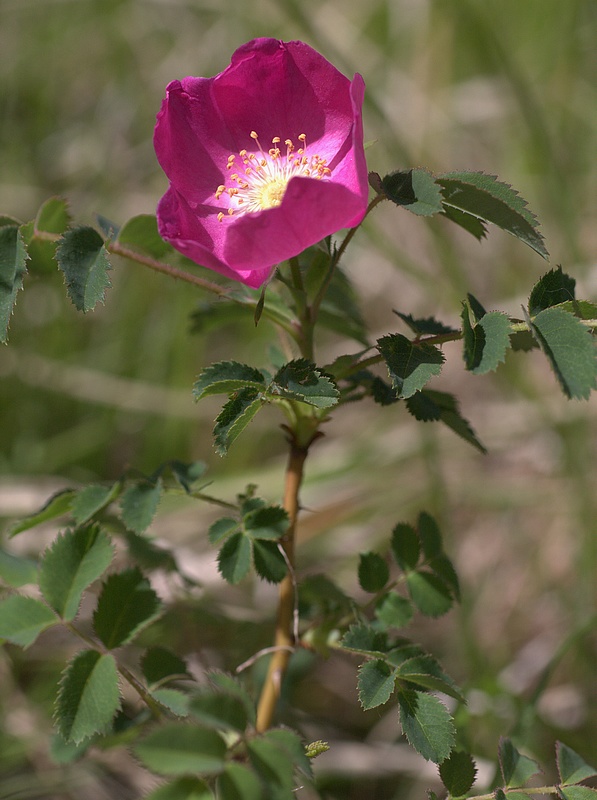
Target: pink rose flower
[{"x": 264, "y": 159}]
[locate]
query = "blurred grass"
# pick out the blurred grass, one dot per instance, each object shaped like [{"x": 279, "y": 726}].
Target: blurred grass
[{"x": 496, "y": 85}]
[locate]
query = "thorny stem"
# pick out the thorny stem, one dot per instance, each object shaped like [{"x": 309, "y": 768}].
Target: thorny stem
[{"x": 284, "y": 642}]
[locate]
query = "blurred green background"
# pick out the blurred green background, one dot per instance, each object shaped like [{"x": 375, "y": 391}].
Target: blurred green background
[{"x": 503, "y": 86}]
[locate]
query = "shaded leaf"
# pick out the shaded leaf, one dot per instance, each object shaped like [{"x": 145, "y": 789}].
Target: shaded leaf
[
  {"x": 174, "y": 700},
  {"x": 426, "y": 724},
  {"x": 300, "y": 380},
  {"x": 219, "y": 710},
  {"x": 187, "y": 475},
  {"x": 486, "y": 342},
  {"x": 410, "y": 365},
  {"x": 226, "y": 377},
  {"x": 17, "y": 571},
  {"x": 22, "y": 619},
  {"x": 473, "y": 225},
  {"x": 571, "y": 767},
  {"x": 516, "y": 769},
  {"x": 267, "y": 522},
  {"x": 91, "y": 499},
  {"x": 234, "y": 558},
  {"x": 83, "y": 259},
  {"x": 552, "y": 289},
  {"x": 429, "y": 405},
  {"x": 235, "y": 416},
  {"x": 179, "y": 748},
  {"x": 272, "y": 763},
  {"x": 394, "y": 611},
  {"x": 89, "y": 697},
  {"x": 429, "y": 535},
  {"x": 570, "y": 349},
  {"x": 427, "y": 326},
  {"x": 140, "y": 234},
  {"x": 373, "y": 572},
  {"x": 425, "y": 671},
  {"x": 238, "y": 782},
  {"x": 458, "y": 773},
  {"x": 269, "y": 562},
  {"x": 405, "y": 546},
  {"x": 222, "y": 528},
  {"x": 126, "y": 605},
  {"x": 414, "y": 189},
  {"x": 429, "y": 593},
  {"x": 13, "y": 260},
  {"x": 74, "y": 560},
  {"x": 577, "y": 792},
  {"x": 57, "y": 506},
  {"x": 186, "y": 788},
  {"x": 160, "y": 665},
  {"x": 375, "y": 683},
  {"x": 139, "y": 504},
  {"x": 362, "y": 638},
  {"x": 230, "y": 685}
]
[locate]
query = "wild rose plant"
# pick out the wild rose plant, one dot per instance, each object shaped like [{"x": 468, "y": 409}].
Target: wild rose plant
[{"x": 268, "y": 185}]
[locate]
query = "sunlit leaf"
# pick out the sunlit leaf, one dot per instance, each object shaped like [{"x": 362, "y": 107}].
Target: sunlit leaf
[
  {"x": 410, "y": 365},
  {"x": 300, "y": 380}
]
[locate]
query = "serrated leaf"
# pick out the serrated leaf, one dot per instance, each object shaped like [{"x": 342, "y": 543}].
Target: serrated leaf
[
  {"x": 53, "y": 216},
  {"x": 235, "y": 416},
  {"x": 394, "y": 611},
  {"x": 222, "y": 528},
  {"x": 489, "y": 199},
  {"x": 552, "y": 289},
  {"x": 75, "y": 559},
  {"x": 22, "y": 619},
  {"x": 83, "y": 259},
  {"x": 458, "y": 773},
  {"x": 339, "y": 311},
  {"x": 238, "y": 782},
  {"x": 17, "y": 571},
  {"x": 577, "y": 792},
  {"x": 375, "y": 683},
  {"x": 126, "y": 605},
  {"x": 180, "y": 748},
  {"x": 219, "y": 710},
  {"x": 160, "y": 665},
  {"x": 429, "y": 405},
  {"x": 570, "y": 349},
  {"x": 425, "y": 671},
  {"x": 499, "y": 794},
  {"x": 269, "y": 562},
  {"x": 140, "y": 234},
  {"x": 234, "y": 558},
  {"x": 13, "y": 260},
  {"x": 147, "y": 554},
  {"x": 300, "y": 380},
  {"x": 173, "y": 699},
  {"x": 362, "y": 638},
  {"x": 425, "y": 326},
  {"x": 186, "y": 788},
  {"x": 582, "y": 309},
  {"x": 187, "y": 475},
  {"x": 63, "y": 752},
  {"x": 226, "y": 377},
  {"x": 57, "y": 506},
  {"x": 426, "y": 724},
  {"x": 486, "y": 342},
  {"x": 373, "y": 572},
  {"x": 91, "y": 499},
  {"x": 429, "y": 593},
  {"x": 272, "y": 763},
  {"x": 571, "y": 767},
  {"x": 89, "y": 697},
  {"x": 230, "y": 685},
  {"x": 444, "y": 569},
  {"x": 414, "y": 189},
  {"x": 291, "y": 743},
  {"x": 405, "y": 545},
  {"x": 516, "y": 769},
  {"x": 472, "y": 224},
  {"x": 267, "y": 522},
  {"x": 410, "y": 365},
  {"x": 139, "y": 503}
]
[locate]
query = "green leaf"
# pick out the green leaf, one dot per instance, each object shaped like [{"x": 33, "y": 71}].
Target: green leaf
[
  {"x": 487, "y": 198},
  {"x": 238, "y": 782},
  {"x": 429, "y": 535},
  {"x": 577, "y": 792},
  {"x": 553, "y": 289},
  {"x": 486, "y": 342},
  {"x": 226, "y": 683},
  {"x": 430, "y": 405},
  {"x": 187, "y": 475},
  {"x": 147, "y": 554},
  {"x": 571, "y": 767},
  {"x": 570, "y": 349},
  {"x": 300, "y": 380},
  {"x": 340, "y": 310},
  {"x": 226, "y": 377},
  {"x": 234, "y": 558},
  {"x": 173, "y": 699},
  {"x": 159, "y": 666},
  {"x": 415, "y": 189},
  {"x": 222, "y": 528},
  {"x": 373, "y": 572},
  {"x": 17, "y": 570},
  {"x": 362, "y": 638},
  {"x": 140, "y": 234},
  {"x": 75, "y": 559},
  {"x": 405, "y": 546},
  {"x": 425, "y": 671},
  {"x": 179, "y": 748},
  {"x": 83, "y": 259},
  {"x": 582, "y": 309},
  {"x": 429, "y": 593},
  {"x": 126, "y": 605},
  {"x": 394, "y": 611},
  {"x": 57, "y": 506},
  {"x": 444, "y": 569},
  {"x": 22, "y": 619},
  {"x": 425, "y": 326},
  {"x": 410, "y": 366},
  {"x": 186, "y": 788},
  {"x": 63, "y": 752},
  {"x": 268, "y": 522},
  {"x": 516, "y": 769},
  {"x": 269, "y": 562},
  {"x": 91, "y": 499},
  {"x": 13, "y": 259},
  {"x": 235, "y": 416},
  {"x": 139, "y": 503},
  {"x": 458, "y": 773},
  {"x": 291, "y": 743},
  {"x": 53, "y": 216},
  {"x": 375, "y": 683},
  {"x": 219, "y": 710},
  {"x": 426, "y": 724},
  {"x": 272, "y": 763},
  {"x": 88, "y": 698},
  {"x": 473, "y": 225}
]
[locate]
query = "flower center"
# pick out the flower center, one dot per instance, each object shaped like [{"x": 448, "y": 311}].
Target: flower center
[{"x": 265, "y": 175}]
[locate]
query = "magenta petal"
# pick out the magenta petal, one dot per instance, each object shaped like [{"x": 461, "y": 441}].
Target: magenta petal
[{"x": 277, "y": 89}]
